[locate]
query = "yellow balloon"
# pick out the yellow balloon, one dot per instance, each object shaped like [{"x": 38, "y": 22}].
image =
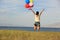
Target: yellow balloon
[{"x": 31, "y": 1}]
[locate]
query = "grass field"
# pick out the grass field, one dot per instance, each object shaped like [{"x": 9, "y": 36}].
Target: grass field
[{"x": 28, "y": 35}]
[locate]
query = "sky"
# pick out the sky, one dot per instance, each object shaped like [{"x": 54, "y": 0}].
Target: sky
[{"x": 13, "y": 12}]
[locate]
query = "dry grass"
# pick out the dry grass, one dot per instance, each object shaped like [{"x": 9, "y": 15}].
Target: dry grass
[{"x": 28, "y": 35}]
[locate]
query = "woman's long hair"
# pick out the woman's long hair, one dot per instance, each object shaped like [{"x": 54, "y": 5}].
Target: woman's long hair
[{"x": 37, "y": 12}]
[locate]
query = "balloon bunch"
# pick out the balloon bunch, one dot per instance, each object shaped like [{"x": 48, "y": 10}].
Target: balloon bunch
[{"x": 29, "y": 3}]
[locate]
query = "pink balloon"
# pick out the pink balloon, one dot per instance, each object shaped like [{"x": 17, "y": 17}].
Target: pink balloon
[{"x": 31, "y": 4}]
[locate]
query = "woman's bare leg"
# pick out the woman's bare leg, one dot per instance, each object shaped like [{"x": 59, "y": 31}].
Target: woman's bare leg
[
  {"x": 38, "y": 28},
  {"x": 35, "y": 28}
]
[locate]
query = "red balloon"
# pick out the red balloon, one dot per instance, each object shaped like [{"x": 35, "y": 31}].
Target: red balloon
[{"x": 27, "y": 6}]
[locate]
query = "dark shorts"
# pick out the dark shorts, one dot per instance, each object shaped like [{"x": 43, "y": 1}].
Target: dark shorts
[{"x": 37, "y": 24}]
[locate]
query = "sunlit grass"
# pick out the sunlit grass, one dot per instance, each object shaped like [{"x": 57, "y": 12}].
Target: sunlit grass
[{"x": 28, "y": 35}]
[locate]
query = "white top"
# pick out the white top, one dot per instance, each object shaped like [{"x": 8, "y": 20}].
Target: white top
[{"x": 37, "y": 18}]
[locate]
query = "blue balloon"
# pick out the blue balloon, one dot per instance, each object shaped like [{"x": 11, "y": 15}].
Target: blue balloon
[{"x": 27, "y": 1}]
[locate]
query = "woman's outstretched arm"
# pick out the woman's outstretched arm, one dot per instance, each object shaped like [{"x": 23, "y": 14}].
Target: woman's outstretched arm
[
  {"x": 32, "y": 11},
  {"x": 41, "y": 11}
]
